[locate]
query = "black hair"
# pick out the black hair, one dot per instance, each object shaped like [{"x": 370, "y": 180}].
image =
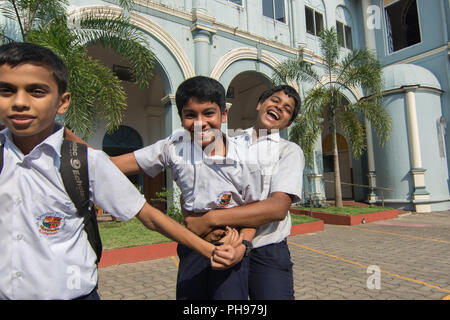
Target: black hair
[
  {"x": 201, "y": 88},
  {"x": 289, "y": 91},
  {"x": 16, "y": 53}
]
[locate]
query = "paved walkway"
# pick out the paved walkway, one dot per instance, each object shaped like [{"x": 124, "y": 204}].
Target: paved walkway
[{"x": 404, "y": 258}]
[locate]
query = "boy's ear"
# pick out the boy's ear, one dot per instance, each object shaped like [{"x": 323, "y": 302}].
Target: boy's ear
[
  {"x": 64, "y": 103},
  {"x": 258, "y": 106},
  {"x": 224, "y": 115}
]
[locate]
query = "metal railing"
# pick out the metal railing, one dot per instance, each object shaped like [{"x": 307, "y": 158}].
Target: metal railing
[
  {"x": 352, "y": 184},
  {"x": 367, "y": 187}
]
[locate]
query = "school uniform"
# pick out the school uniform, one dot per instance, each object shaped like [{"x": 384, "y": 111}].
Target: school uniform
[
  {"x": 206, "y": 183},
  {"x": 282, "y": 163},
  {"x": 45, "y": 253}
]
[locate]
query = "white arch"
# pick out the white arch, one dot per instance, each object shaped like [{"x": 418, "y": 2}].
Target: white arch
[
  {"x": 150, "y": 27},
  {"x": 356, "y": 91},
  {"x": 244, "y": 53}
]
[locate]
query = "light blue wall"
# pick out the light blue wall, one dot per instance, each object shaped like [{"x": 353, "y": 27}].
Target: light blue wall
[{"x": 280, "y": 39}]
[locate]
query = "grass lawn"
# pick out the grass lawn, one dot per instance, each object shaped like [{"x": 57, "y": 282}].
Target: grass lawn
[
  {"x": 350, "y": 210},
  {"x": 132, "y": 233}
]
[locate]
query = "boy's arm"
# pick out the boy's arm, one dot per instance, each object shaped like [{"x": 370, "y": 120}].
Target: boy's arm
[
  {"x": 69, "y": 135},
  {"x": 127, "y": 163},
  {"x": 250, "y": 215},
  {"x": 155, "y": 220},
  {"x": 285, "y": 185}
]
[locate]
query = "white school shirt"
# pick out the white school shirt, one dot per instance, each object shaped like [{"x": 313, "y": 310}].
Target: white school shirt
[
  {"x": 44, "y": 251},
  {"x": 282, "y": 163},
  {"x": 206, "y": 182}
]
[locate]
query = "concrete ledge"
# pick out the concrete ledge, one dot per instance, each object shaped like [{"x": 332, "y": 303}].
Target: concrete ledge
[
  {"x": 169, "y": 249},
  {"x": 348, "y": 220}
]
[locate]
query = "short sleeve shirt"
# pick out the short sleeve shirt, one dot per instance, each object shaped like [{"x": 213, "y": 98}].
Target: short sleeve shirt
[
  {"x": 44, "y": 250},
  {"x": 205, "y": 182},
  {"x": 281, "y": 163}
]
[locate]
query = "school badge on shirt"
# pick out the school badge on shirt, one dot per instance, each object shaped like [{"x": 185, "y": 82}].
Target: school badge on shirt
[
  {"x": 50, "y": 223},
  {"x": 224, "y": 199}
]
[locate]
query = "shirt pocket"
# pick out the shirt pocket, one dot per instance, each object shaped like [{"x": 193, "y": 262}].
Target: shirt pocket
[{"x": 252, "y": 182}]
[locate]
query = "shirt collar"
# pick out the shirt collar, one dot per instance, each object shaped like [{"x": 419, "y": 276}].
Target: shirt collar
[
  {"x": 273, "y": 136},
  {"x": 54, "y": 141}
]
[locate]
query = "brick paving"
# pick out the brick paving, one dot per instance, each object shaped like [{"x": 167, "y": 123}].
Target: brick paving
[{"x": 412, "y": 254}]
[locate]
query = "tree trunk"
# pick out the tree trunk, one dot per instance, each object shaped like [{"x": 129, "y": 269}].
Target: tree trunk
[{"x": 337, "y": 173}]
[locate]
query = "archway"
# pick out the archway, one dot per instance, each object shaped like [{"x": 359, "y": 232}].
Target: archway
[
  {"x": 243, "y": 93},
  {"x": 344, "y": 166},
  {"x": 124, "y": 140}
]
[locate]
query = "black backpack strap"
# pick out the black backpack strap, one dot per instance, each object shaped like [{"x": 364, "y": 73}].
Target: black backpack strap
[
  {"x": 2, "y": 146},
  {"x": 75, "y": 176}
]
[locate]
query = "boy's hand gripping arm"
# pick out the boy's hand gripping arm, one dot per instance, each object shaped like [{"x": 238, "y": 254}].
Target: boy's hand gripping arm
[
  {"x": 154, "y": 219},
  {"x": 250, "y": 215}
]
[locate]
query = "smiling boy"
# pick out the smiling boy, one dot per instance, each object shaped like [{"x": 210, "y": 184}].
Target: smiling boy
[
  {"x": 282, "y": 163},
  {"x": 42, "y": 235}
]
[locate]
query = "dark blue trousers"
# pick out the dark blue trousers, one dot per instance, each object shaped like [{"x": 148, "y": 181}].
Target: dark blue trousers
[
  {"x": 270, "y": 273},
  {"x": 196, "y": 279}
]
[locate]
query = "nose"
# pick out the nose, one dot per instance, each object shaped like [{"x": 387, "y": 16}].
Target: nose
[
  {"x": 21, "y": 101},
  {"x": 199, "y": 122}
]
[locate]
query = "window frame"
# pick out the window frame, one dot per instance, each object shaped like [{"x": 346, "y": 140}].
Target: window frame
[
  {"x": 386, "y": 44},
  {"x": 344, "y": 38},
  {"x": 314, "y": 15},
  {"x": 285, "y": 16},
  {"x": 236, "y": 4}
]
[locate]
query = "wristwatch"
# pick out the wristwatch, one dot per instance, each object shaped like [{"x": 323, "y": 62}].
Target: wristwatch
[{"x": 248, "y": 247}]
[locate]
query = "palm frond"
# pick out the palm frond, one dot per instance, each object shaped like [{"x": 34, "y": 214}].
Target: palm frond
[
  {"x": 294, "y": 69},
  {"x": 354, "y": 131},
  {"x": 361, "y": 68},
  {"x": 329, "y": 47},
  {"x": 121, "y": 37},
  {"x": 305, "y": 131},
  {"x": 377, "y": 115}
]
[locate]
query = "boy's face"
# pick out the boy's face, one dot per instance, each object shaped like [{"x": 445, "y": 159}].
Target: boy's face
[
  {"x": 275, "y": 112},
  {"x": 202, "y": 120},
  {"x": 29, "y": 101}
]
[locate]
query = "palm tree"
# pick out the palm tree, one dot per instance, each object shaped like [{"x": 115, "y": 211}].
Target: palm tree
[
  {"x": 358, "y": 68},
  {"x": 95, "y": 89}
]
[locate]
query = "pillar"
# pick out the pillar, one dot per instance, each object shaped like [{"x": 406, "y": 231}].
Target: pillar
[{"x": 420, "y": 194}]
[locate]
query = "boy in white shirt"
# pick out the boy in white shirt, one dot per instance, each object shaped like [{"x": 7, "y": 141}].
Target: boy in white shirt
[
  {"x": 43, "y": 241},
  {"x": 207, "y": 168},
  {"x": 282, "y": 163}
]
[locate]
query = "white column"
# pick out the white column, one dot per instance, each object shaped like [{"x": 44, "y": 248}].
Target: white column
[
  {"x": 418, "y": 173},
  {"x": 413, "y": 130},
  {"x": 369, "y": 36}
]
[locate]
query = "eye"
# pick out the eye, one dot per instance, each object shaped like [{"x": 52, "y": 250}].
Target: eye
[
  {"x": 5, "y": 91},
  {"x": 38, "y": 93}
]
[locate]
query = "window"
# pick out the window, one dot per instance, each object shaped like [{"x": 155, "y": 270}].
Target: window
[
  {"x": 238, "y": 2},
  {"x": 402, "y": 24},
  {"x": 274, "y": 9},
  {"x": 314, "y": 21},
  {"x": 344, "y": 35}
]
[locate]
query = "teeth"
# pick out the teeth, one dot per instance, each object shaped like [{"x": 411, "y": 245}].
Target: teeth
[{"x": 273, "y": 114}]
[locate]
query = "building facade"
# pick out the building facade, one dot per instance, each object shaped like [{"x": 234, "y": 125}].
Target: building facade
[{"x": 239, "y": 43}]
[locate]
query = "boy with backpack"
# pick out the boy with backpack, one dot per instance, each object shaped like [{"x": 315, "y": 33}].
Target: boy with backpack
[{"x": 49, "y": 245}]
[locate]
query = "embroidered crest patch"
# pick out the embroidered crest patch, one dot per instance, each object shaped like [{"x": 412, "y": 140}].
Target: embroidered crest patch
[
  {"x": 50, "y": 223},
  {"x": 224, "y": 199}
]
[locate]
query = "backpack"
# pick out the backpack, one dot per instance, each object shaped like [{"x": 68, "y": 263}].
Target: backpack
[{"x": 75, "y": 176}]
